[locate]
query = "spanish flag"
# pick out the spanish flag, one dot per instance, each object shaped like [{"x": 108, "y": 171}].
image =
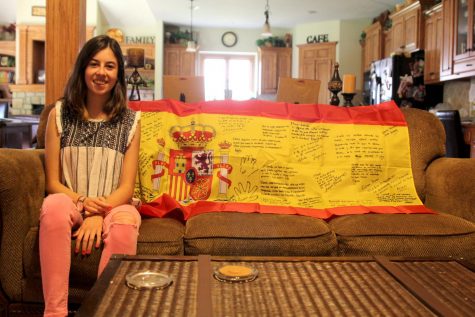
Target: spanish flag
[{"x": 270, "y": 157}]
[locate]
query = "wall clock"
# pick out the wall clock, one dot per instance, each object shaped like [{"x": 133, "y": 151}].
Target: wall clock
[{"x": 229, "y": 39}]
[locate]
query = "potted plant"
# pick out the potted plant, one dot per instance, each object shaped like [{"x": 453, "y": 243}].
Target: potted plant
[
  {"x": 260, "y": 42},
  {"x": 362, "y": 38}
]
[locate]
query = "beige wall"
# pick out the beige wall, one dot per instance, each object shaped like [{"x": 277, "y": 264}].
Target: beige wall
[
  {"x": 210, "y": 39},
  {"x": 349, "y": 48}
]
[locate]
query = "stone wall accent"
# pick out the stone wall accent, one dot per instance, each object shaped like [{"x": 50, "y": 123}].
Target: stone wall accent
[
  {"x": 458, "y": 95},
  {"x": 22, "y": 102}
]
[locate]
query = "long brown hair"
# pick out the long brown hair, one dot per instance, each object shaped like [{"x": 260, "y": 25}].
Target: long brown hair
[{"x": 75, "y": 92}]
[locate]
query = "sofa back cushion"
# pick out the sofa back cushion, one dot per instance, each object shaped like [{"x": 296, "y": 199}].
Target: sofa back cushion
[{"x": 427, "y": 141}]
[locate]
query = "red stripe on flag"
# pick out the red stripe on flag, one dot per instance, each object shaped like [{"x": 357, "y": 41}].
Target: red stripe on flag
[
  {"x": 165, "y": 204},
  {"x": 386, "y": 113}
]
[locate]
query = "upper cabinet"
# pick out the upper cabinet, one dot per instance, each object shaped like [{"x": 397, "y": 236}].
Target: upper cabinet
[
  {"x": 178, "y": 62},
  {"x": 433, "y": 44},
  {"x": 458, "y": 52},
  {"x": 407, "y": 29},
  {"x": 446, "y": 59},
  {"x": 464, "y": 49},
  {"x": 372, "y": 49},
  {"x": 274, "y": 62}
]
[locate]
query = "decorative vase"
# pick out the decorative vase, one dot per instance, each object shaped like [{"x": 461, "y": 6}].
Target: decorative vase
[{"x": 335, "y": 86}]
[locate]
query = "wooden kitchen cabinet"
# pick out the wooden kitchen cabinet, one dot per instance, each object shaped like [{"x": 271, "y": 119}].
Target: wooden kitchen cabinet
[
  {"x": 469, "y": 136},
  {"x": 373, "y": 45},
  {"x": 388, "y": 43},
  {"x": 316, "y": 62},
  {"x": 464, "y": 42},
  {"x": 407, "y": 28},
  {"x": 433, "y": 44},
  {"x": 446, "y": 61},
  {"x": 178, "y": 62},
  {"x": 458, "y": 53},
  {"x": 274, "y": 62}
]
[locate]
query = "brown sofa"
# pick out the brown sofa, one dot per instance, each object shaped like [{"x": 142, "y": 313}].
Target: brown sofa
[{"x": 443, "y": 184}]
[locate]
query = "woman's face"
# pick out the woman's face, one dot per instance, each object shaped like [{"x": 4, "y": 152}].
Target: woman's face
[{"x": 101, "y": 73}]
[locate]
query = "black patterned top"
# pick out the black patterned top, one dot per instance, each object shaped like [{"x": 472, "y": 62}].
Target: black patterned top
[{"x": 92, "y": 152}]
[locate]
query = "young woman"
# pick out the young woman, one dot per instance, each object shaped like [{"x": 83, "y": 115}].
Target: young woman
[{"x": 91, "y": 154}]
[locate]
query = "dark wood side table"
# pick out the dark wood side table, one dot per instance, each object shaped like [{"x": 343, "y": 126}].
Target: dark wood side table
[
  {"x": 469, "y": 136},
  {"x": 17, "y": 135},
  {"x": 18, "y": 132}
]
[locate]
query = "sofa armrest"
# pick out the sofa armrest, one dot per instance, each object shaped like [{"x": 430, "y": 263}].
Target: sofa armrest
[
  {"x": 22, "y": 189},
  {"x": 450, "y": 187}
]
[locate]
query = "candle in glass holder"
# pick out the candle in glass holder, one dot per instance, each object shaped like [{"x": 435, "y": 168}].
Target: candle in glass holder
[
  {"x": 349, "y": 83},
  {"x": 136, "y": 57}
]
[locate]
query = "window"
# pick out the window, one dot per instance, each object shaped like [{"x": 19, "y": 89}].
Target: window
[{"x": 228, "y": 76}]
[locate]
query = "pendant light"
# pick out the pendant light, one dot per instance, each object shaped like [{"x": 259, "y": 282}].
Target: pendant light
[
  {"x": 191, "y": 45},
  {"x": 266, "y": 29}
]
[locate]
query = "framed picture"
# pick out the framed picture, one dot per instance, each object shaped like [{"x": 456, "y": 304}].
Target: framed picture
[
  {"x": 4, "y": 61},
  {"x": 38, "y": 11}
]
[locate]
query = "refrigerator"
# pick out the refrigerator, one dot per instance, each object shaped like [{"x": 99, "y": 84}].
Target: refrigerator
[{"x": 401, "y": 78}]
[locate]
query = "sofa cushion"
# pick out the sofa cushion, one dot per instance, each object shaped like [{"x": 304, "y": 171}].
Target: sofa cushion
[
  {"x": 404, "y": 235},
  {"x": 161, "y": 236},
  {"x": 254, "y": 234}
]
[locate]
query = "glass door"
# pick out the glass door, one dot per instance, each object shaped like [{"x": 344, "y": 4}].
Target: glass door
[{"x": 464, "y": 29}]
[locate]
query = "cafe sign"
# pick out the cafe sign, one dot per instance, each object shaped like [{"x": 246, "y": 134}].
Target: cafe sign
[{"x": 317, "y": 38}]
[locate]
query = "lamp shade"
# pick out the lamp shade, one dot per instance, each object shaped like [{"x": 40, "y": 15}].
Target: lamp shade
[
  {"x": 191, "y": 46},
  {"x": 136, "y": 57},
  {"x": 266, "y": 30}
]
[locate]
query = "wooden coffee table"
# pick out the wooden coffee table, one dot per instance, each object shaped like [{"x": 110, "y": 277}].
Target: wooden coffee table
[{"x": 369, "y": 286}]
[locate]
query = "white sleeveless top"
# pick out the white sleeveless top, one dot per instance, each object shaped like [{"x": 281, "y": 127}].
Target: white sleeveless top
[{"x": 92, "y": 152}]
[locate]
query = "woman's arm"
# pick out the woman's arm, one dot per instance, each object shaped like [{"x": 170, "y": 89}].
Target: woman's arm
[
  {"x": 125, "y": 191},
  {"x": 52, "y": 159}
]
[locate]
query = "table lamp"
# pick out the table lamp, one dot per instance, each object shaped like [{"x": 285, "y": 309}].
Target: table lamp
[{"x": 135, "y": 59}]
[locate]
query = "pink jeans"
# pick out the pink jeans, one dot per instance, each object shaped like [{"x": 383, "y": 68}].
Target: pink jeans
[{"x": 58, "y": 217}]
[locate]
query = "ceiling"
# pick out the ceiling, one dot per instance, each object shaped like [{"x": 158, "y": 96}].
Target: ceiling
[{"x": 226, "y": 13}]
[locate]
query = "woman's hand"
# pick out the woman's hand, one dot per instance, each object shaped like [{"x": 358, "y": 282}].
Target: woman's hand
[
  {"x": 96, "y": 205},
  {"x": 91, "y": 228}
]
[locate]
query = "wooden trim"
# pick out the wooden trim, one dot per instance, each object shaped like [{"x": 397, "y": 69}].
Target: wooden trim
[
  {"x": 64, "y": 20},
  {"x": 417, "y": 289},
  {"x": 27, "y": 88},
  {"x": 204, "y": 302},
  {"x": 434, "y": 9},
  {"x": 405, "y": 9},
  {"x": 8, "y": 48},
  {"x": 315, "y": 44}
]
